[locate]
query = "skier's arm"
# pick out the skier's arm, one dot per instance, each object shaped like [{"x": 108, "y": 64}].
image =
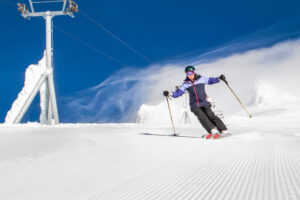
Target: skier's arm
[
  {"x": 209, "y": 80},
  {"x": 179, "y": 92}
]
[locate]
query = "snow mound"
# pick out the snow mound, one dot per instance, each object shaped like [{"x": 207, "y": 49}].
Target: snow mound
[
  {"x": 271, "y": 108},
  {"x": 159, "y": 114},
  {"x": 32, "y": 76},
  {"x": 268, "y": 102},
  {"x": 267, "y": 95}
]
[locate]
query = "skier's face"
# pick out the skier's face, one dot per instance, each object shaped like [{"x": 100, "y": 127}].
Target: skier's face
[{"x": 190, "y": 75}]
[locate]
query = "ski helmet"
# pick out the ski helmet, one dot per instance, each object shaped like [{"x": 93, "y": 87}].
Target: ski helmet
[{"x": 189, "y": 68}]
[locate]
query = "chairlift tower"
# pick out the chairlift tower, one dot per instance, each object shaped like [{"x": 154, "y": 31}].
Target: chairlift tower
[
  {"x": 185, "y": 118},
  {"x": 52, "y": 112}
]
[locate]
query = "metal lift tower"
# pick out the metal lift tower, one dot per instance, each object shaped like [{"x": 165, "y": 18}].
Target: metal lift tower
[
  {"x": 52, "y": 112},
  {"x": 185, "y": 118}
]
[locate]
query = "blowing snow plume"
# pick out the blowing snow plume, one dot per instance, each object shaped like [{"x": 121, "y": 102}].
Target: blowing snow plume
[
  {"x": 117, "y": 99},
  {"x": 133, "y": 94}
]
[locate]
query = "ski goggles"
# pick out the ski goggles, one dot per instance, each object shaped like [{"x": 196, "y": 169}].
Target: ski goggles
[{"x": 189, "y": 73}]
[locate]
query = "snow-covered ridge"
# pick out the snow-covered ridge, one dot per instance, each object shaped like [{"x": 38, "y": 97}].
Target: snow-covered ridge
[
  {"x": 267, "y": 95},
  {"x": 267, "y": 101}
]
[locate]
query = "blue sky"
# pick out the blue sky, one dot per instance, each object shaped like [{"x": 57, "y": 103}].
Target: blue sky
[{"x": 161, "y": 30}]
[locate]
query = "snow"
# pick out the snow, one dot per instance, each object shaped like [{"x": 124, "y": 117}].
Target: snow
[
  {"x": 122, "y": 161},
  {"x": 159, "y": 114},
  {"x": 32, "y": 76}
]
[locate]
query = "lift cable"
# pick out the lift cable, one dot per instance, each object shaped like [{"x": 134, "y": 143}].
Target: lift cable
[
  {"x": 90, "y": 46},
  {"x": 115, "y": 37}
]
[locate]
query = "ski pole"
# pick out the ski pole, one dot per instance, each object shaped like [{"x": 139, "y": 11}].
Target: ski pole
[
  {"x": 238, "y": 99},
  {"x": 171, "y": 116}
]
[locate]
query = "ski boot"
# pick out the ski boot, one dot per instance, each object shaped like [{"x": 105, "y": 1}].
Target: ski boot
[
  {"x": 213, "y": 133},
  {"x": 225, "y": 133}
]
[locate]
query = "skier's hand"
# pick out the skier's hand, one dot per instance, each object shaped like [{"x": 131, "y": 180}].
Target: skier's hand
[
  {"x": 223, "y": 78},
  {"x": 166, "y": 93}
]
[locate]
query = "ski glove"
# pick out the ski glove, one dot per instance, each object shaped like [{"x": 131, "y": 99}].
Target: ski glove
[
  {"x": 166, "y": 93},
  {"x": 223, "y": 78}
]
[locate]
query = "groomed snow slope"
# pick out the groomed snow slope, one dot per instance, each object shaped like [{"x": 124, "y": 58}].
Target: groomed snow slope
[{"x": 129, "y": 161}]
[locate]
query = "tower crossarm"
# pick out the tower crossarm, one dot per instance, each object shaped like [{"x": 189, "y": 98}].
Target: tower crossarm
[
  {"x": 47, "y": 13},
  {"x": 72, "y": 7}
]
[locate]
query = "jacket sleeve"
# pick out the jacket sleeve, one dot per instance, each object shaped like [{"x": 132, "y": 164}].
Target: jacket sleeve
[
  {"x": 180, "y": 91},
  {"x": 213, "y": 80},
  {"x": 208, "y": 80}
]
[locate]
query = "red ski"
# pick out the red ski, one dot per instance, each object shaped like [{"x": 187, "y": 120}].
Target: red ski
[
  {"x": 216, "y": 136},
  {"x": 208, "y": 136}
]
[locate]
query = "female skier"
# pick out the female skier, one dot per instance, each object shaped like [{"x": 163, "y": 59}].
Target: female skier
[{"x": 195, "y": 85}]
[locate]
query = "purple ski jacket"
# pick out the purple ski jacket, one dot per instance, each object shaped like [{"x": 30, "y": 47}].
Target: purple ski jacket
[{"x": 196, "y": 90}]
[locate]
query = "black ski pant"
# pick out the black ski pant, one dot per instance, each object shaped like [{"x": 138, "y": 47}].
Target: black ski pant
[{"x": 208, "y": 119}]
